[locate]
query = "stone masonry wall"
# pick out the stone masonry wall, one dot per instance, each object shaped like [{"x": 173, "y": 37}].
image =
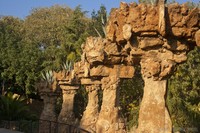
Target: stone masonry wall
[{"x": 158, "y": 38}]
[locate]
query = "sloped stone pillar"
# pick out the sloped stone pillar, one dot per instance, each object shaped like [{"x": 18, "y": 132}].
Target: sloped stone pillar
[
  {"x": 109, "y": 120},
  {"x": 153, "y": 114},
  {"x": 91, "y": 113},
  {"x": 48, "y": 115},
  {"x": 66, "y": 114}
]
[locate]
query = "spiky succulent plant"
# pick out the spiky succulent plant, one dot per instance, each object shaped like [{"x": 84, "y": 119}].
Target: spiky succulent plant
[
  {"x": 67, "y": 66},
  {"x": 48, "y": 76}
]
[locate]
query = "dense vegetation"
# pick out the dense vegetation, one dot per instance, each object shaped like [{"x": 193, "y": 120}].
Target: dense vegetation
[
  {"x": 183, "y": 98},
  {"x": 49, "y": 37},
  {"x": 43, "y": 41}
]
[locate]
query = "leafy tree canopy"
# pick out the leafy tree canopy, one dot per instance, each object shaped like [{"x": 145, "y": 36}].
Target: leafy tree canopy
[
  {"x": 59, "y": 32},
  {"x": 184, "y": 90}
]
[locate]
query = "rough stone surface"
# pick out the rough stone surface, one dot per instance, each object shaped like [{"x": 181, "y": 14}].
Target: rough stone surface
[
  {"x": 49, "y": 92},
  {"x": 177, "y": 20},
  {"x": 90, "y": 115},
  {"x": 68, "y": 84},
  {"x": 105, "y": 71},
  {"x": 127, "y": 31},
  {"x": 93, "y": 49},
  {"x": 158, "y": 37},
  {"x": 162, "y": 15},
  {"x": 183, "y": 21},
  {"x": 197, "y": 38},
  {"x": 66, "y": 114},
  {"x": 153, "y": 115},
  {"x": 48, "y": 114},
  {"x": 148, "y": 42},
  {"x": 109, "y": 120},
  {"x": 90, "y": 81}
]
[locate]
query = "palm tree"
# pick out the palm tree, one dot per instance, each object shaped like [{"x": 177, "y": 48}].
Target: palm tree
[{"x": 12, "y": 107}]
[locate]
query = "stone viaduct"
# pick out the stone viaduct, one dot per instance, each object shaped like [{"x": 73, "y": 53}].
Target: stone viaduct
[{"x": 157, "y": 37}]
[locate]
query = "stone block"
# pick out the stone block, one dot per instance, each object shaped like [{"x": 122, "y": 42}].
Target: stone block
[
  {"x": 89, "y": 81},
  {"x": 68, "y": 87},
  {"x": 104, "y": 71},
  {"x": 150, "y": 42},
  {"x": 197, "y": 38}
]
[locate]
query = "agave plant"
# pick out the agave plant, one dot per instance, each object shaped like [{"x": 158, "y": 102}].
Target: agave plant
[
  {"x": 48, "y": 76},
  {"x": 67, "y": 66}
]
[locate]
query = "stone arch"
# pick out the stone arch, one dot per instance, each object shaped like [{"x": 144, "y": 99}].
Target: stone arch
[{"x": 155, "y": 36}]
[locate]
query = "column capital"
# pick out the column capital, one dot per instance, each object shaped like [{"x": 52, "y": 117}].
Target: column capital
[
  {"x": 90, "y": 88},
  {"x": 69, "y": 91},
  {"x": 111, "y": 82},
  {"x": 69, "y": 87}
]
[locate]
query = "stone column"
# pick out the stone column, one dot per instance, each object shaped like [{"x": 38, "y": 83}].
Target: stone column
[
  {"x": 109, "y": 120},
  {"x": 153, "y": 114},
  {"x": 66, "y": 114},
  {"x": 48, "y": 115},
  {"x": 90, "y": 115}
]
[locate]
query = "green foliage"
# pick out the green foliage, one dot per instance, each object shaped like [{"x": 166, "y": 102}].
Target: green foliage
[
  {"x": 130, "y": 96},
  {"x": 58, "y": 107},
  {"x": 50, "y": 36},
  {"x": 18, "y": 60},
  {"x": 67, "y": 66},
  {"x": 148, "y": 1},
  {"x": 80, "y": 102},
  {"x": 10, "y": 38},
  {"x": 59, "y": 32},
  {"x": 192, "y": 5},
  {"x": 12, "y": 107},
  {"x": 100, "y": 98},
  {"x": 77, "y": 32},
  {"x": 43, "y": 41},
  {"x": 99, "y": 21},
  {"x": 48, "y": 76},
  {"x": 184, "y": 90},
  {"x": 29, "y": 68}
]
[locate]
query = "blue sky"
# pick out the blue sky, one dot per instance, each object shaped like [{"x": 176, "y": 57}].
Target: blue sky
[{"x": 22, "y": 8}]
